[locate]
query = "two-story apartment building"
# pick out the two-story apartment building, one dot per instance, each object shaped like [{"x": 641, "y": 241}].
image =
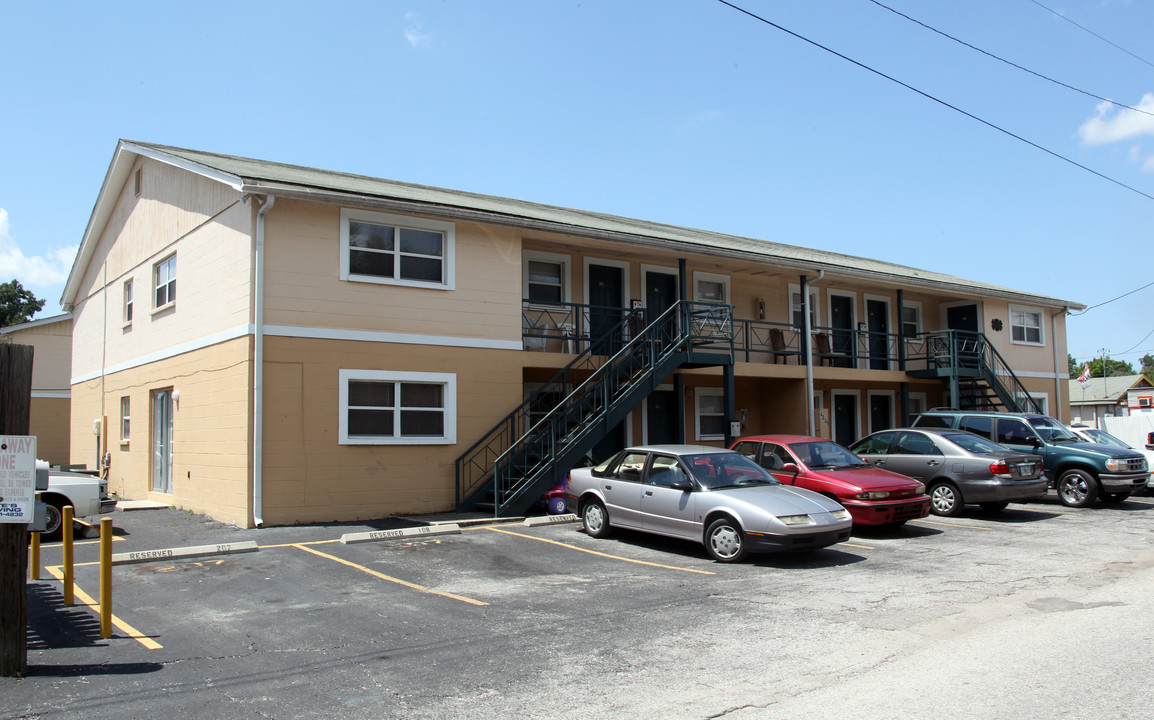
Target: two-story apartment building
[{"x": 276, "y": 344}]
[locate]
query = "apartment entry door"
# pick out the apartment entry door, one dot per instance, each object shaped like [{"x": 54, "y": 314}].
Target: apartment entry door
[
  {"x": 845, "y": 419},
  {"x": 606, "y": 300},
  {"x": 841, "y": 319},
  {"x": 660, "y": 295},
  {"x": 878, "y": 319},
  {"x": 162, "y": 441},
  {"x": 964, "y": 319}
]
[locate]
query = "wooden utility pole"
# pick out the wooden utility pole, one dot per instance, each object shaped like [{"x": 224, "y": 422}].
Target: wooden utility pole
[{"x": 15, "y": 408}]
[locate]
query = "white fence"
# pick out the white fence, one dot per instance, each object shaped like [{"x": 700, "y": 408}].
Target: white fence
[{"x": 1131, "y": 430}]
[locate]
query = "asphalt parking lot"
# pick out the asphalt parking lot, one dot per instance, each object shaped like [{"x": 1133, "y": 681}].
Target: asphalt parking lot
[{"x": 1039, "y": 611}]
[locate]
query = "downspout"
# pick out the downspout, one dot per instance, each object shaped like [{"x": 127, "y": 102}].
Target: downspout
[
  {"x": 807, "y": 339},
  {"x": 258, "y": 368},
  {"x": 1057, "y": 366}
]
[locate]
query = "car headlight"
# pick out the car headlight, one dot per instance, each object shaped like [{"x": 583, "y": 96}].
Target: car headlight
[
  {"x": 919, "y": 489},
  {"x": 1116, "y": 465},
  {"x": 796, "y": 519},
  {"x": 840, "y": 514},
  {"x": 875, "y": 495}
]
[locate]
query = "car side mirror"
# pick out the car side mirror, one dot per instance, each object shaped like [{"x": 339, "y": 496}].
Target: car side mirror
[
  {"x": 1035, "y": 442},
  {"x": 683, "y": 485},
  {"x": 791, "y": 468}
]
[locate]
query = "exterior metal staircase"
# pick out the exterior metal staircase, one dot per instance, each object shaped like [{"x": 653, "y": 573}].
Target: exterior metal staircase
[
  {"x": 978, "y": 376},
  {"x": 534, "y": 446}
]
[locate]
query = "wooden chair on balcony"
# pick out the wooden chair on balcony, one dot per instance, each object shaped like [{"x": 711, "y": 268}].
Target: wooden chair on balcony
[
  {"x": 777, "y": 344},
  {"x": 821, "y": 352}
]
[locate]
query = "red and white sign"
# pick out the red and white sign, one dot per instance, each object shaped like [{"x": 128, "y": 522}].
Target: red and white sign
[{"x": 17, "y": 478}]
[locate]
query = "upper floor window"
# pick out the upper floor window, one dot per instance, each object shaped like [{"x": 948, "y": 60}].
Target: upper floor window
[
  {"x": 911, "y": 319},
  {"x": 164, "y": 273},
  {"x": 127, "y": 302},
  {"x": 396, "y": 249},
  {"x": 797, "y": 307},
  {"x": 1026, "y": 325},
  {"x": 708, "y": 287},
  {"x": 399, "y": 408},
  {"x": 546, "y": 278}
]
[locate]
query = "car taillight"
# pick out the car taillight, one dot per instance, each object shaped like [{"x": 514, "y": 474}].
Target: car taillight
[{"x": 1000, "y": 469}]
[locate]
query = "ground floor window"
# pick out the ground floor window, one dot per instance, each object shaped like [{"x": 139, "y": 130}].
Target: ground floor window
[
  {"x": 710, "y": 414},
  {"x": 380, "y": 407}
]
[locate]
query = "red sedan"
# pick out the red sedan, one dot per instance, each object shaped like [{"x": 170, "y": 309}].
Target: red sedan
[{"x": 873, "y": 496}]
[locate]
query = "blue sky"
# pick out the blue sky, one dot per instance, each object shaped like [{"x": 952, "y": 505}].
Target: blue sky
[{"x": 684, "y": 112}]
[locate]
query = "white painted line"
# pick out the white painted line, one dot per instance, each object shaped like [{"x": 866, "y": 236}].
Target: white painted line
[
  {"x": 143, "y": 556},
  {"x": 422, "y": 531},
  {"x": 550, "y": 519}
]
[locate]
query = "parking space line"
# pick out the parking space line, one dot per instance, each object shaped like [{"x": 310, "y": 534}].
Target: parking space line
[
  {"x": 382, "y": 576},
  {"x": 942, "y": 524},
  {"x": 605, "y": 555},
  {"x": 58, "y": 572},
  {"x": 860, "y": 547}
]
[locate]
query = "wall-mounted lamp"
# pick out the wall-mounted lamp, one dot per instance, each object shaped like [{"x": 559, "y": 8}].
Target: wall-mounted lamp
[{"x": 176, "y": 398}]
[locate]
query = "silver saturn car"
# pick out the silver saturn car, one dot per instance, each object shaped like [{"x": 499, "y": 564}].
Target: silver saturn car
[{"x": 709, "y": 495}]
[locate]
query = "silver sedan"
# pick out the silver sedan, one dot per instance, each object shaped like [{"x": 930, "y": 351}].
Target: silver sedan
[
  {"x": 958, "y": 467},
  {"x": 713, "y": 496}
]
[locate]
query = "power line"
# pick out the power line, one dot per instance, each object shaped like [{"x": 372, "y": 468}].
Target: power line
[
  {"x": 1008, "y": 62},
  {"x": 936, "y": 99},
  {"x": 1111, "y": 300},
  {"x": 1108, "y": 42}
]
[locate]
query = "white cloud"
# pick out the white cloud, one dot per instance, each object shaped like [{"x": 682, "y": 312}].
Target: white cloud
[
  {"x": 43, "y": 274},
  {"x": 1111, "y": 124},
  {"x": 415, "y": 30}
]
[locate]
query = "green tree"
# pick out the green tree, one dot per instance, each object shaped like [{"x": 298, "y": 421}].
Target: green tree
[
  {"x": 1148, "y": 367},
  {"x": 1113, "y": 368},
  {"x": 1075, "y": 366},
  {"x": 17, "y": 305}
]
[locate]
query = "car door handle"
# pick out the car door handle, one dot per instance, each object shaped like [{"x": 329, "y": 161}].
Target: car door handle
[
  {"x": 608, "y": 487},
  {"x": 932, "y": 462},
  {"x": 649, "y": 492}
]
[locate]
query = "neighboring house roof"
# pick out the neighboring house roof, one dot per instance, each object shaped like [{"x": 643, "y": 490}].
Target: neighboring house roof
[
  {"x": 63, "y": 317},
  {"x": 261, "y": 177},
  {"x": 1105, "y": 391}
]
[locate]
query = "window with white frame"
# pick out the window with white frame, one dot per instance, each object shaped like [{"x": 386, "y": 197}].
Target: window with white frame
[
  {"x": 396, "y": 249},
  {"x": 164, "y": 275},
  {"x": 127, "y": 302},
  {"x": 1042, "y": 399},
  {"x": 796, "y": 308},
  {"x": 546, "y": 278},
  {"x": 380, "y": 407},
  {"x": 911, "y": 319},
  {"x": 709, "y": 287},
  {"x": 1026, "y": 325},
  {"x": 125, "y": 415},
  {"x": 709, "y": 412}
]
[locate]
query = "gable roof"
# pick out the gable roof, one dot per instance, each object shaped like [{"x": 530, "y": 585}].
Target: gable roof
[
  {"x": 1103, "y": 391},
  {"x": 260, "y": 177}
]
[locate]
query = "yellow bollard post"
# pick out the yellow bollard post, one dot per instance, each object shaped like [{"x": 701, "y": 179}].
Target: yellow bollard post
[
  {"x": 106, "y": 577},
  {"x": 34, "y": 549},
  {"x": 66, "y": 529}
]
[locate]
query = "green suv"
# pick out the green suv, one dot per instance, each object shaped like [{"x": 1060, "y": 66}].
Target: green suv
[{"x": 1080, "y": 471}]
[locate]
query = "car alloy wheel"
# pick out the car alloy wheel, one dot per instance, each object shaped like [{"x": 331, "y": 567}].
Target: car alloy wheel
[
  {"x": 596, "y": 519},
  {"x": 1077, "y": 488},
  {"x": 725, "y": 541}
]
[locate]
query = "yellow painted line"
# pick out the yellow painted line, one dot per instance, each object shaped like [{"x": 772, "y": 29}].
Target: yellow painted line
[
  {"x": 862, "y": 547},
  {"x": 601, "y": 554},
  {"x": 310, "y": 542},
  {"x": 967, "y": 527},
  {"x": 382, "y": 576},
  {"x": 85, "y": 598}
]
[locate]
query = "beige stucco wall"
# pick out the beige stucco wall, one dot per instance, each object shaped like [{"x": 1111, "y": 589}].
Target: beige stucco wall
[
  {"x": 310, "y": 477},
  {"x": 51, "y": 362},
  {"x": 304, "y": 289},
  {"x": 212, "y": 429},
  {"x": 208, "y": 226}
]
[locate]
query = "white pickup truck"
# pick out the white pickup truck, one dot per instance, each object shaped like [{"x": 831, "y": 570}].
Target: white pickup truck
[{"x": 85, "y": 492}]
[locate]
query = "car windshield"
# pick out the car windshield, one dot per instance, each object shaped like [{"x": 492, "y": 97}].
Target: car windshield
[
  {"x": 974, "y": 443},
  {"x": 714, "y": 471},
  {"x": 1052, "y": 431},
  {"x": 825, "y": 455},
  {"x": 1105, "y": 438}
]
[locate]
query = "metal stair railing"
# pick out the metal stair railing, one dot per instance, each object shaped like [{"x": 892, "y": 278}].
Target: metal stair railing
[
  {"x": 555, "y": 442},
  {"x": 474, "y": 467},
  {"x": 971, "y": 355}
]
